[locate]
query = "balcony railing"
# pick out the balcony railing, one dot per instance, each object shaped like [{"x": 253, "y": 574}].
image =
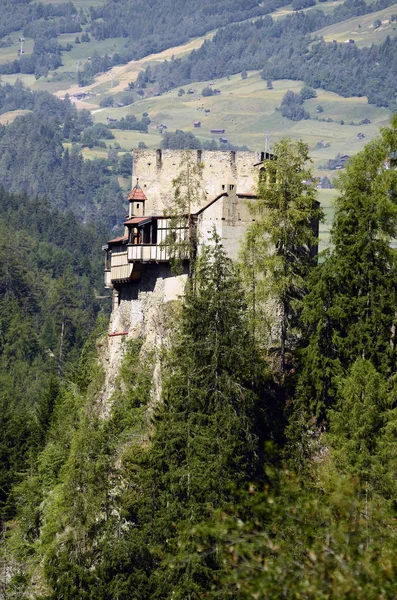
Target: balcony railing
[{"x": 147, "y": 253}]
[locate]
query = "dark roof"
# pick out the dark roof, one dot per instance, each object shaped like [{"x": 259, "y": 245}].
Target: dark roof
[
  {"x": 137, "y": 220},
  {"x": 209, "y": 203},
  {"x": 247, "y": 195},
  {"x": 118, "y": 239}
]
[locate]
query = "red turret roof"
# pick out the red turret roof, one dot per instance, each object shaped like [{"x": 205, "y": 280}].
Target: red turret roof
[{"x": 137, "y": 194}]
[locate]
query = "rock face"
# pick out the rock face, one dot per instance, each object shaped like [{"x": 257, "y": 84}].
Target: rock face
[{"x": 141, "y": 309}]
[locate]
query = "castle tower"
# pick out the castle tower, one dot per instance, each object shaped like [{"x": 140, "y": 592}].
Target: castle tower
[{"x": 136, "y": 201}]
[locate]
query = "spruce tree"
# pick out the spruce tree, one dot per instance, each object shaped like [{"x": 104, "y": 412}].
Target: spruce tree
[
  {"x": 205, "y": 444},
  {"x": 350, "y": 311},
  {"x": 280, "y": 244}
]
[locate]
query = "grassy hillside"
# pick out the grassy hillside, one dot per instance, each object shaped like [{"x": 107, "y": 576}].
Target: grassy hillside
[
  {"x": 246, "y": 109},
  {"x": 362, "y": 29}
]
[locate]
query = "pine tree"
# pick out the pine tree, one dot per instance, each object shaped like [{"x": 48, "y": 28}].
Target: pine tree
[
  {"x": 357, "y": 420},
  {"x": 206, "y": 440}
]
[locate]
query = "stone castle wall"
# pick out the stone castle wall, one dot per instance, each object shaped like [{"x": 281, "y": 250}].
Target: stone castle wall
[
  {"x": 142, "y": 307},
  {"x": 156, "y": 170}
]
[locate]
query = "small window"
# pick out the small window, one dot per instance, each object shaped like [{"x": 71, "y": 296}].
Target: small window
[
  {"x": 223, "y": 187},
  {"x": 137, "y": 205},
  {"x": 231, "y": 187}
]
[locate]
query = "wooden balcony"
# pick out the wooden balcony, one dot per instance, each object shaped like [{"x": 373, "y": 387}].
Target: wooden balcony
[
  {"x": 147, "y": 253},
  {"x": 121, "y": 269}
]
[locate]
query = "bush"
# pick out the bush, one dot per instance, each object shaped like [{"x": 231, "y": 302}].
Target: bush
[
  {"x": 106, "y": 102},
  {"x": 308, "y": 92},
  {"x": 301, "y": 4}
]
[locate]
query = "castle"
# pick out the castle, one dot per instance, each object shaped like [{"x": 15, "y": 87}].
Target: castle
[
  {"x": 137, "y": 266},
  {"x": 228, "y": 181}
]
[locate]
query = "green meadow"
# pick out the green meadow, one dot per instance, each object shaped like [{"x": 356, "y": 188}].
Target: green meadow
[
  {"x": 362, "y": 29},
  {"x": 247, "y": 110}
]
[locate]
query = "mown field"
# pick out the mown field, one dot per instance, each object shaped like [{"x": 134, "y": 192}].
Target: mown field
[
  {"x": 247, "y": 110},
  {"x": 362, "y": 29}
]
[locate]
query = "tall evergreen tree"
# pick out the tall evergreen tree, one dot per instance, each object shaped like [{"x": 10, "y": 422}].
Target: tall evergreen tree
[
  {"x": 351, "y": 309},
  {"x": 206, "y": 440},
  {"x": 281, "y": 242}
]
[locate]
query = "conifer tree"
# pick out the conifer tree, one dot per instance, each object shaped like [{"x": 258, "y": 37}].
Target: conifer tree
[
  {"x": 351, "y": 309},
  {"x": 280, "y": 244},
  {"x": 357, "y": 420},
  {"x": 206, "y": 440}
]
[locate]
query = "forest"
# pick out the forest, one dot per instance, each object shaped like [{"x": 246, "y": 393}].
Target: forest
[
  {"x": 284, "y": 49},
  {"x": 50, "y": 267},
  {"x": 167, "y": 24},
  {"x": 267, "y": 470},
  {"x": 89, "y": 188}
]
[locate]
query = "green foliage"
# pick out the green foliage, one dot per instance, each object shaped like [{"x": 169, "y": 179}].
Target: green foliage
[
  {"x": 211, "y": 408},
  {"x": 291, "y": 107},
  {"x": 181, "y": 241},
  {"x": 278, "y": 253},
  {"x": 36, "y": 141},
  {"x": 350, "y": 310},
  {"x": 45, "y": 317},
  {"x": 357, "y": 420},
  {"x": 284, "y": 49},
  {"x": 304, "y": 540},
  {"x": 180, "y": 140},
  {"x": 183, "y": 497}
]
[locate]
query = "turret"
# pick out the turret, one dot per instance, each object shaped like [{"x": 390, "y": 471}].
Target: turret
[{"x": 136, "y": 201}]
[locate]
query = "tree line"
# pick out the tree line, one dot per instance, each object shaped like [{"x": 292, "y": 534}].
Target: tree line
[{"x": 287, "y": 49}]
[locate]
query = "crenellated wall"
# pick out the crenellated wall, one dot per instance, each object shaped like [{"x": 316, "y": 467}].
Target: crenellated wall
[{"x": 156, "y": 170}]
